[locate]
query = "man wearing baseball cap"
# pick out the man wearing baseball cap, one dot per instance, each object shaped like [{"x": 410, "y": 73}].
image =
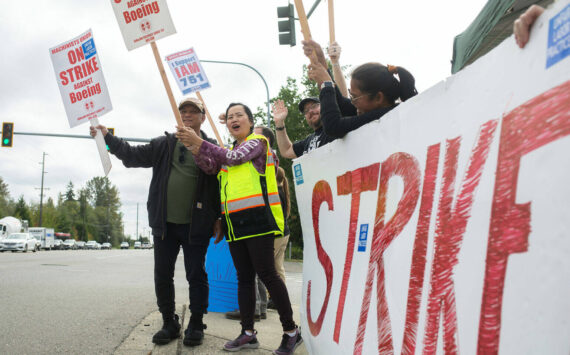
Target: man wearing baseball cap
[
  {"x": 183, "y": 211},
  {"x": 311, "y": 109}
]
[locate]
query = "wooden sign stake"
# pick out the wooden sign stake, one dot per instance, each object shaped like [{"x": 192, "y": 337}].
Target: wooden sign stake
[
  {"x": 305, "y": 28},
  {"x": 166, "y": 84},
  {"x": 210, "y": 119},
  {"x": 331, "y": 21}
]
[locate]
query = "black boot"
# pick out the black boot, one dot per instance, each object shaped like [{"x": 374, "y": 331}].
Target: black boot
[
  {"x": 194, "y": 334},
  {"x": 170, "y": 330}
]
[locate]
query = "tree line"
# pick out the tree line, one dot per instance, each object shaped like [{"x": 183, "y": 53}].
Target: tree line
[{"x": 91, "y": 212}]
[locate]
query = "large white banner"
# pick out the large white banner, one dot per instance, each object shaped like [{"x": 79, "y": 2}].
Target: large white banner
[
  {"x": 80, "y": 79},
  {"x": 142, "y": 21},
  {"x": 444, "y": 227}
]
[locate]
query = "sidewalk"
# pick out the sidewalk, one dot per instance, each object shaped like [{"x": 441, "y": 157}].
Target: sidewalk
[{"x": 219, "y": 331}]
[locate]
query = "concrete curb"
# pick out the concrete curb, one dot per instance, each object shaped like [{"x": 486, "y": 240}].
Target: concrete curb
[{"x": 219, "y": 331}]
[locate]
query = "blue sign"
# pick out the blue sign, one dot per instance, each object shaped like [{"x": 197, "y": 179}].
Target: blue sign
[
  {"x": 298, "y": 174},
  {"x": 362, "y": 237},
  {"x": 558, "y": 37},
  {"x": 89, "y": 49}
]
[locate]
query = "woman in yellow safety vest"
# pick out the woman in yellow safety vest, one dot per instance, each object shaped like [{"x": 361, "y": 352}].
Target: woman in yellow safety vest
[{"x": 253, "y": 219}]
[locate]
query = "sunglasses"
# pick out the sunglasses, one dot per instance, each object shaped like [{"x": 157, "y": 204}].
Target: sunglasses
[{"x": 182, "y": 156}]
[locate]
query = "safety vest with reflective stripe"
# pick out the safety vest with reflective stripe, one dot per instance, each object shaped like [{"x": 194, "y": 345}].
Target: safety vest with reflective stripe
[{"x": 250, "y": 200}]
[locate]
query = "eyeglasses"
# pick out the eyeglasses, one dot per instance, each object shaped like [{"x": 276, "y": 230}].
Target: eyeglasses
[
  {"x": 311, "y": 107},
  {"x": 354, "y": 99},
  {"x": 182, "y": 156}
]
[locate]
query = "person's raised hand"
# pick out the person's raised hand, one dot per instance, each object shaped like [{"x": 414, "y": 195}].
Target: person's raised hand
[
  {"x": 187, "y": 136},
  {"x": 312, "y": 48},
  {"x": 334, "y": 51},
  {"x": 318, "y": 73},
  {"x": 222, "y": 118},
  {"x": 93, "y": 130},
  {"x": 522, "y": 26},
  {"x": 280, "y": 112}
]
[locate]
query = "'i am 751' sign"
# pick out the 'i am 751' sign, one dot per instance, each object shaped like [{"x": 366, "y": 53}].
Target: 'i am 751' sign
[{"x": 188, "y": 71}]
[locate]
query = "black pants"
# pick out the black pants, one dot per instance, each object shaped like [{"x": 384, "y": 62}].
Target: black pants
[
  {"x": 255, "y": 255},
  {"x": 165, "y": 253}
]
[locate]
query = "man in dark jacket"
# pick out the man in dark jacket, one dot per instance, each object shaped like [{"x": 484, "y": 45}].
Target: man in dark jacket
[{"x": 183, "y": 210}]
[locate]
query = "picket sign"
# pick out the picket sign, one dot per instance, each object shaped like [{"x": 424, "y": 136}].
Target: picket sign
[
  {"x": 81, "y": 83},
  {"x": 191, "y": 77},
  {"x": 146, "y": 22},
  {"x": 443, "y": 227},
  {"x": 142, "y": 21}
]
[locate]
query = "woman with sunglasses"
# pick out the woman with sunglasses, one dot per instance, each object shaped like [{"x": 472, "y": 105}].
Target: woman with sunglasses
[
  {"x": 253, "y": 218},
  {"x": 374, "y": 91}
]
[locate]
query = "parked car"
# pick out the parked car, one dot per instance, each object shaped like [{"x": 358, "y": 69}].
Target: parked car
[
  {"x": 69, "y": 244},
  {"x": 138, "y": 245},
  {"x": 19, "y": 242},
  {"x": 147, "y": 246},
  {"x": 92, "y": 244},
  {"x": 125, "y": 245},
  {"x": 58, "y": 244},
  {"x": 80, "y": 244},
  {"x": 106, "y": 246}
]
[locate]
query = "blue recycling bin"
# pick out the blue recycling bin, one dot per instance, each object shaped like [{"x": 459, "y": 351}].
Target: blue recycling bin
[{"x": 221, "y": 277}]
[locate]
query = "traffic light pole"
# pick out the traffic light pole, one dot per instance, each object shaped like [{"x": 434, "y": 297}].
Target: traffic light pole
[
  {"x": 142, "y": 140},
  {"x": 258, "y": 73}
]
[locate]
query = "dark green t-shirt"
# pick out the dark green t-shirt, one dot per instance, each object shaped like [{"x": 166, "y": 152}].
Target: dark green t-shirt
[{"x": 181, "y": 189}]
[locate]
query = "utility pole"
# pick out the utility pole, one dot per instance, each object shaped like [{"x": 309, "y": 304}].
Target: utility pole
[
  {"x": 137, "y": 236},
  {"x": 42, "y": 187}
]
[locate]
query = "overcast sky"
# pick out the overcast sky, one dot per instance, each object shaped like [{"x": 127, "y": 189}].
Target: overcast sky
[{"x": 415, "y": 34}]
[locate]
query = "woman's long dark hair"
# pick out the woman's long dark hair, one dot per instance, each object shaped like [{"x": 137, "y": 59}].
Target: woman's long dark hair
[{"x": 373, "y": 78}]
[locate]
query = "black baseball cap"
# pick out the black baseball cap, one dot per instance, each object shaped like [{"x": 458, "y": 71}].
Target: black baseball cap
[{"x": 306, "y": 101}]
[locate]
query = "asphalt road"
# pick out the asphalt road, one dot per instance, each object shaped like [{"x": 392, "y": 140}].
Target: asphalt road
[{"x": 84, "y": 301}]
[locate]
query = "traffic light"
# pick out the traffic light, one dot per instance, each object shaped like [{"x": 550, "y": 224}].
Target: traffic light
[
  {"x": 287, "y": 27},
  {"x": 7, "y": 134}
]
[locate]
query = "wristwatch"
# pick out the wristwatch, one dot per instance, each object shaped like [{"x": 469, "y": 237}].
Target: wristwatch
[{"x": 327, "y": 84}]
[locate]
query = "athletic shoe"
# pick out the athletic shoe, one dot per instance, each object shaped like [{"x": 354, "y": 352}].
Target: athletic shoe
[
  {"x": 243, "y": 341},
  {"x": 289, "y": 344}
]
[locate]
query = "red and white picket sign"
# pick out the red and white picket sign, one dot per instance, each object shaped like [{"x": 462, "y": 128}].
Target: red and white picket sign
[
  {"x": 443, "y": 227},
  {"x": 142, "y": 22},
  {"x": 80, "y": 79}
]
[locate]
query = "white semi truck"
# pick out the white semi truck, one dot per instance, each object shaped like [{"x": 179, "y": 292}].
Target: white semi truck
[
  {"x": 9, "y": 225},
  {"x": 46, "y": 236}
]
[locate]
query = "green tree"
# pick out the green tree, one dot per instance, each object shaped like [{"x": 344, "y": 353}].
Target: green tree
[
  {"x": 69, "y": 194},
  {"x": 107, "y": 219},
  {"x": 21, "y": 210},
  {"x": 6, "y": 203}
]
